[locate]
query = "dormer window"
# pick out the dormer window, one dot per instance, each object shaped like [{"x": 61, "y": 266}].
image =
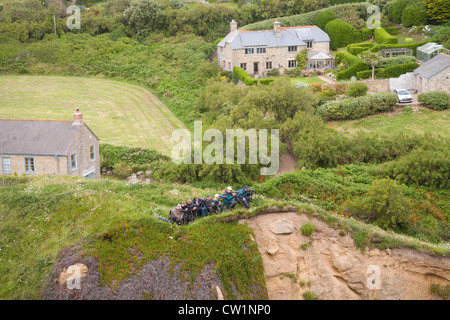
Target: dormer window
[
  {"x": 309, "y": 44},
  {"x": 249, "y": 50},
  {"x": 261, "y": 50}
]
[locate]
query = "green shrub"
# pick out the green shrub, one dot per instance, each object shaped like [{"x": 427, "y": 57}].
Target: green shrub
[
  {"x": 307, "y": 229},
  {"x": 244, "y": 76},
  {"x": 437, "y": 100},
  {"x": 385, "y": 205},
  {"x": 341, "y": 33},
  {"x": 392, "y": 30},
  {"x": 308, "y": 295},
  {"x": 323, "y": 18},
  {"x": 355, "y": 108},
  {"x": 356, "y": 89},
  {"x": 366, "y": 74},
  {"x": 389, "y": 62},
  {"x": 414, "y": 15},
  {"x": 122, "y": 170},
  {"x": 442, "y": 291},
  {"x": 427, "y": 166},
  {"x": 356, "y": 48},
  {"x": 111, "y": 155},
  {"x": 396, "y": 9},
  {"x": 407, "y": 110},
  {"x": 437, "y": 10},
  {"x": 398, "y": 70},
  {"x": 366, "y": 33},
  {"x": 382, "y": 36}
]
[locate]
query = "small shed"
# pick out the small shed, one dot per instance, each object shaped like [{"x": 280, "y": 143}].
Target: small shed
[
  {"x": 430, "y": 50},
  {"x": 396, "y": 52}
]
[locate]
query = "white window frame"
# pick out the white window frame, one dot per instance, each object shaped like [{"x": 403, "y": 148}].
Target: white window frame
[{"x": 4, "y": 164}]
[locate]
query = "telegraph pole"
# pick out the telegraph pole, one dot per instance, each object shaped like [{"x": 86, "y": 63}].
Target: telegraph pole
[{"x": 1, "y": 164}]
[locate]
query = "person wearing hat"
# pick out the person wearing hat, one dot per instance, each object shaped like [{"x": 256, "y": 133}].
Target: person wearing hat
[
  {"x": 216, "y": 204},
  {"x": 244, "y": 196},
  {"x": 228, "y": 198},
  {"x": 176, "y": 215}
]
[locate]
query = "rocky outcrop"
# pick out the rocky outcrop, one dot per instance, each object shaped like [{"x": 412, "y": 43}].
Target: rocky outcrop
[
  {"x": 330, "y": 266},
  {"x": 153, "y": 281}
]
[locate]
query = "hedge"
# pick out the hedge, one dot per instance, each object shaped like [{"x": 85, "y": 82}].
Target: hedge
[
  {"x": 247, "y": 79},
  {"x": 366, "y": 33},
  {"x": 304, "y": 19},
  {"x": 413, "y": 46},
  {"x": 355, "y": 108},
  {"x": 398, "y": 70},
  {"x": 356, "y": 48},
  {"x": 383, "y": 37},
  {"x": 323, "y": 18},
  {"x": 437, "y": 100},
  {"x": 354, "y": 63},
  {"x": 389, "y": 62},
  {"x": 414, "y": 15},
  {"x": 341, "y": 33},
  {"x": 392, "y": 30},
  {"x": 366, "y": 74}
]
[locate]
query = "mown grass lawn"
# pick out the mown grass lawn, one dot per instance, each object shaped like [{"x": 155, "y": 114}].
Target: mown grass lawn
[
  {"x": 307, "y": 80},
  {"x": 422, "y": 121},
  {"x": 119, "y": 113}
]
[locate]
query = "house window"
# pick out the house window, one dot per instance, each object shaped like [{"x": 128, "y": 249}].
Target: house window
[
  {"x": 244, "y": 66},
  {"x": 6, "y": 165},
  {"x": 73, "y": 160},
  {"x": 249, "y": 50},
  {"x": 309, "y": 44},
  {"x": 261, "y": 50},
  {"x": 92, "y": 153},
  {"x": 229, "y": 66},
  {"x": 29, "y": 165},
  {"x": 292, "y": 63},
  {"x": 269, "y": 65},
  {"x": 292, "y": 48}
]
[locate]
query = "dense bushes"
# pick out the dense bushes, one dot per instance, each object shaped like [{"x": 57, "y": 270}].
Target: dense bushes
[
  {"x": 392, "y": 30},
  {"x": 323, "y": 18},
  {"x": 356, "y": 89},
  {"x": 389, "y": 62},
  {"x": 414, "y": 15},
  {"x": 427, "y": 166},
  {"x": 382, "y": 36},
  {"x": 341, "y": 33},
  {"x": 354, "y": 65},
  {"x": 398, "y": 70},
  {"x": 366, "y": 33},
  {"x": 355, "y": 108},
  {"x": 437, "y": 100}
]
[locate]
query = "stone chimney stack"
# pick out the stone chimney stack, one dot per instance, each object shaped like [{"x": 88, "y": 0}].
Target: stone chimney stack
[
  {"x": 233, "y": 26},
  {"x": 277, "y": 27},
  {"x": 77, "y": 117}
]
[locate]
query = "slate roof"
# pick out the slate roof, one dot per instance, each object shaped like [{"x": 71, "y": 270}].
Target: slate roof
[
  {"x": 433, "y": 66},
  {"x": 290, "y": 36},
  {"x": 37, "y": 137}
]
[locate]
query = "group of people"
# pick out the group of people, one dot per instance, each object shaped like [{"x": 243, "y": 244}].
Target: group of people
[{"x": 188, "y": 211}]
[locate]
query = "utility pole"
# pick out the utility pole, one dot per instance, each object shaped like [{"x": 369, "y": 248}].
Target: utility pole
[
  {"x": 54, "y": 22},
  {"x": 1, "y": 164}
]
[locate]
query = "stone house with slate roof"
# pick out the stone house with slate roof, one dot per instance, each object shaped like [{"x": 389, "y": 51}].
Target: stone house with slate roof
[
  {"x": 434, "y": 74},
  {"x": 260, "y": 51},
  {"x": 49, "y": 147}
]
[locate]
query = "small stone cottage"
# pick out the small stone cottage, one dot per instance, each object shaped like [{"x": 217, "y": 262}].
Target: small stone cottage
[
  {"x": 434, "y": 74},
  {"x": 49, "y": 147}
]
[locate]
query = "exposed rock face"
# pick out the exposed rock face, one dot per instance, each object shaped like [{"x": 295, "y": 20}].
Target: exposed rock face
[
  {"x": 152, "y": 282},
  {"x": 281, "y": 226},
  {"x": 336, "y": 269}
]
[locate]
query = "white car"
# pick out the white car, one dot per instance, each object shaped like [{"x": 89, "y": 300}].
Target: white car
[{"x": 403, "y": 95}]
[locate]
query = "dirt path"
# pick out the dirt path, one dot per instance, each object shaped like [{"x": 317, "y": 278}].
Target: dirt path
[
  {"x": 288, "y": 163},
  {"x": 335, "y": 268}
]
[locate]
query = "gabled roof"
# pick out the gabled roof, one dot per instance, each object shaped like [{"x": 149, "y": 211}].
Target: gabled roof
[
  {"x": 289, "y": 36},
  {"x": 433, "y": 66},
  {"x": 37, "y": 137}
]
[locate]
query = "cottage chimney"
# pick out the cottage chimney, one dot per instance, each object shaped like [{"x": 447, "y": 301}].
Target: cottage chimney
[
  {"x": 233, "y": 26},
  {"x": 277, "y": 27},
  {"x": 77, "y": 117}
]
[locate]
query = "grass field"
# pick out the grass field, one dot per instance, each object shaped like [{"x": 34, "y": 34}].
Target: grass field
[
  {"x": 307, "y": 80},
  {"x": 436, "y": 122},
  {"x": 119, "y": 113}
]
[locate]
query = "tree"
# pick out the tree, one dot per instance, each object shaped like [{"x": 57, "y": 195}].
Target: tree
[
  {"x": 341, "y": 33},
  {"x": 414, "y": 15},
  {"x": 372, "y": 58},
  {"x": 271, "y": 8},
  {"x": 323, "y": 18},
  {"x": 144, "y": 16},
  {"x": 438, "y": 11}
]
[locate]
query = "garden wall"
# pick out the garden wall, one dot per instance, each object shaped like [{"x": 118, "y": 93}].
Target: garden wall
[{"x": 377, "y": 85}]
